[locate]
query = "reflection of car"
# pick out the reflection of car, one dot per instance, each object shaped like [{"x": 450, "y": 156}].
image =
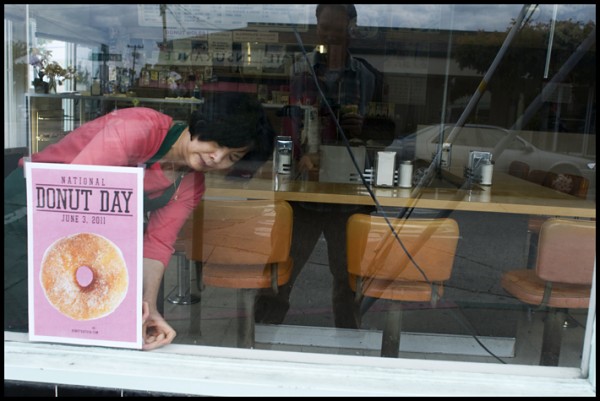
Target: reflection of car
[{"x": 421, "y": 145}]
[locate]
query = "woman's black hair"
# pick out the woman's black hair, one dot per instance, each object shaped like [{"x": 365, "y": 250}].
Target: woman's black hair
[{"x": 235, "y": 120}]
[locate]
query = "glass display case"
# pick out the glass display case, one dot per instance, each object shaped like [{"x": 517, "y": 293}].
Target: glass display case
[{"x": 47, "y": 121}]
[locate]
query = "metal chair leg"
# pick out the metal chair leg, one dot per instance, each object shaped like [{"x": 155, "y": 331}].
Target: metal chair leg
[
  {"x": 246, "y": 328},
  {"x": 552, "y": 338},
  {"x": 531, "y": 244},
  {"x": 183, "y": 295},
  {"x": 196, "y": 316},
  {"x": 390, "y": 340}
]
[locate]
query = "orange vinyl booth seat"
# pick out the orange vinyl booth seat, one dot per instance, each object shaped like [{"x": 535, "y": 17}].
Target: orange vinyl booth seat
[
  {"x": 562, "y": 277},
  {"x": 380, "y": 267},
  {"x": 243, "y": 245}
]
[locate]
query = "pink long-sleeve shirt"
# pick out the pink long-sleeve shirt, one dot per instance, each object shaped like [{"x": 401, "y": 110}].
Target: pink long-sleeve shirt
[{"x": 129, "y": 137}]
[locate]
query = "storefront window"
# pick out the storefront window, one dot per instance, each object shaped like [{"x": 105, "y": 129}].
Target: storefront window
[{"x": 425, "y": 154}]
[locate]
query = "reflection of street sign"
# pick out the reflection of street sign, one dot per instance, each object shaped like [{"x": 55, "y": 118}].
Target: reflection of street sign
[{"x": 106, "y": 57}]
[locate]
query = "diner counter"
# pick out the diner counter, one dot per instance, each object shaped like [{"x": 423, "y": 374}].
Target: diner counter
[{"x": 507, "y": 194}]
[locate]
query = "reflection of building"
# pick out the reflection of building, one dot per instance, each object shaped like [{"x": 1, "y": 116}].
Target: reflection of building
[
  {"x": 226, "y": 52},
  {"x": 216, "y": 43},
  {"x": 416, "y": 71}
]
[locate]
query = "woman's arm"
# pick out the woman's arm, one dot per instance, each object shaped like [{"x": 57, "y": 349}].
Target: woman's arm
[{"x": 156, "y": 331}]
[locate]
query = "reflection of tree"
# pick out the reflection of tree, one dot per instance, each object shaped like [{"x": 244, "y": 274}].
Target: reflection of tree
[
  {"x": 19, "y": 48},
  {"x": 522, "y": 68}
]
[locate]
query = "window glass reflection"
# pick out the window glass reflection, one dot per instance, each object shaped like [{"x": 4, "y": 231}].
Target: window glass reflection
[{"x": 363, "y": 97}]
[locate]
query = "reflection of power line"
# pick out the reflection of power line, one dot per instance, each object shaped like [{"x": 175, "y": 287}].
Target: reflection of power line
[
  {"x": 532, "y": 10},
  {"x": 176, "y": 19},
  {"x": 163, "y": 13},
  {"x": 486, "y": 79},
  {"x": 187, "y": 12},
  {"x": 201, "y": 20},
  {"x": 436, "y": 162}
]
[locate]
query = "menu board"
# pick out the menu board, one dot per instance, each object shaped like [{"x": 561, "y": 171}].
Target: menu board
[{"x": 85, "y": 256}]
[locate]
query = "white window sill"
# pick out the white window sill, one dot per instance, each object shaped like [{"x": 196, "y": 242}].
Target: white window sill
[{"x": 216, "y": 371}]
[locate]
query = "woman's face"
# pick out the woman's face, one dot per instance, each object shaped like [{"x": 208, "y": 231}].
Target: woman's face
[{"x": 207, "y": 156}]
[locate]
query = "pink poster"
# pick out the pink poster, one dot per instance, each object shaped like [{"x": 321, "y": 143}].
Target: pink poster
[{"x": 85, "y": 228}]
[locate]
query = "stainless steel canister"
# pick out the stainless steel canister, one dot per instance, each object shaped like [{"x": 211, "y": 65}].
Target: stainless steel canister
[{"x": 283, "y": 155}]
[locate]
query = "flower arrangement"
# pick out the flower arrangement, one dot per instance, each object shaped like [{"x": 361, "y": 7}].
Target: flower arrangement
[{"x": 41, "y": 60}]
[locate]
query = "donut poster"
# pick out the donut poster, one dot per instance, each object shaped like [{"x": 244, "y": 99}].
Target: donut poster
[{"x": 85, "y": 229}]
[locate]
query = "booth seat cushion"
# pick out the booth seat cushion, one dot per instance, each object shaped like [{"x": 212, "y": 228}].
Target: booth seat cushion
[
  {"x": 528, "y": 288},
  {"x": 245, "y": 276},
  {"x": 396, "y": 290}
]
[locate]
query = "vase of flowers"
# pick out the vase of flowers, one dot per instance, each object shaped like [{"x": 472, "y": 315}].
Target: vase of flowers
[
  {"x": 49, "y": 73},
  {"x": 57, "y": 75},
  {"x": 39, "y": 85}
]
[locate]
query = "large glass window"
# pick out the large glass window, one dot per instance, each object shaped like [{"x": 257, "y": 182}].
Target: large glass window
[{"x": 404, "y": 115}]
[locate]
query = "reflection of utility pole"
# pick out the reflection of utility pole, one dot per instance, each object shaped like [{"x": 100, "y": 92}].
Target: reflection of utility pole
[
  {"x": 481, "y": 88},
  {"x": 134, "y": 55},
  {"x": 163, "y": 14},
  {"x": 104, "y": 68}
]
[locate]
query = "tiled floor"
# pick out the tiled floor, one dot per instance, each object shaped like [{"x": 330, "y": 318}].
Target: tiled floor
[{"x": 507, "y": 330}]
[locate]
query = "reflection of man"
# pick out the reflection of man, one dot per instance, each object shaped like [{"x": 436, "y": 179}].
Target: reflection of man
[
  {"x": 346, "y": 82},
  {"x": 348, "y": 86}
]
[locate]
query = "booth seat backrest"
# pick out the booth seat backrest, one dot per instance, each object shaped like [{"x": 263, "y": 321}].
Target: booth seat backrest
[
  {"x": 374, "y": 252},
  {"x": 241, "y": 232},
  {"x": 567, "y": 251}
]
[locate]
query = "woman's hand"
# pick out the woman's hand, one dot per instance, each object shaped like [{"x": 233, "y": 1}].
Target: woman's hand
[{"x": 156, "y": 332}]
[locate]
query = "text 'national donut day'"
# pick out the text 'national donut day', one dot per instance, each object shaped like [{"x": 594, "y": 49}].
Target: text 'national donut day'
[{"x": 84, "y": 200}]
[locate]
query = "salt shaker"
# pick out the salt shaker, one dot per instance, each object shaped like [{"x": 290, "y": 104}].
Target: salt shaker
[
  {"x": 405, "y": 176},
  {"x": 487, "y": 171}
]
